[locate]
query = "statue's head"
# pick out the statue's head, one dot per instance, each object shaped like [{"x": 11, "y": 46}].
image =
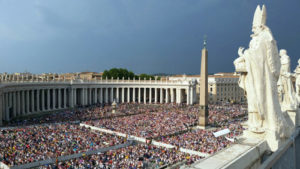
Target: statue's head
[
  {"x": 282, "y": 52},
  {"x": 259, "y": 19},
  {"x": 299, "y": 61}
]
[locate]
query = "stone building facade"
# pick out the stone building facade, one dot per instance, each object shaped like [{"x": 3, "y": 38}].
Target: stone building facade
[{"x": 222, "y": 87}]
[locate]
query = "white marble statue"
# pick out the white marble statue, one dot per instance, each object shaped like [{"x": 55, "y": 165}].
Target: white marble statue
[
  {"x": 297, "y": 84},
  {"x": 259, "y": 66},
  {"x": 287, "y": 97}
]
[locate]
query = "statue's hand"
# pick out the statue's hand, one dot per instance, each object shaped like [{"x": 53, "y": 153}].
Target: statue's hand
[
  {"x": 287, "y": 74},
  {"x": 241, "y": 51},
  {"x": 239, "y": 60},
  {"x": 262, "y": 116}
]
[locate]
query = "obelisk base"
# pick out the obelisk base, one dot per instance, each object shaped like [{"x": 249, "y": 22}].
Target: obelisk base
[{"x": 203, "y": 116}]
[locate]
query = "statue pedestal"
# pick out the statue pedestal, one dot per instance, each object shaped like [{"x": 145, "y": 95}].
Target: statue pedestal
[
  {"x": 245, "y": 153},
  {"x": 294, "y": 117},
  {"x": 298, "y": 118},
  {"x": 250, "y": 134}
]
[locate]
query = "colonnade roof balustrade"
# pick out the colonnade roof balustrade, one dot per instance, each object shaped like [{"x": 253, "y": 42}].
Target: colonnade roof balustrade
[{"x": 101, "y": 81}]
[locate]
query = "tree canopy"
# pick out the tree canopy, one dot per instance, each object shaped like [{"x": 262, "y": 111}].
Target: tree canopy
[{"x": 120, "y": 73}]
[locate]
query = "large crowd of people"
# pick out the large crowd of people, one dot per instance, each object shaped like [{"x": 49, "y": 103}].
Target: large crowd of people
[
  {"x": 165, "y": 121},
  {"x": 132, "y": 157},
  {"x": 36, "y": 143},
  {"x": 203, "y": 140},
  {"x": 57, "y": 134},
  {"x": 94, "y": 112},
  {"x": 221, "y": 115}
]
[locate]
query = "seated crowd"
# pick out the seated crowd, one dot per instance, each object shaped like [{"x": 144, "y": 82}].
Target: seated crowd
[
  {"x": 36, "y": 143},
  {"x": 132, "y": 157},
  {"x": 58, "y": 134},
  {"x": 83, "y": 114},
  {"x": 152, "y": 124},
  {"x": 203, "y": 140},
  {"x": 222, "y": 116}
]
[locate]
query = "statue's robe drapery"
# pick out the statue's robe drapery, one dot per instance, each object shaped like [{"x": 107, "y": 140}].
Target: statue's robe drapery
[
  {"x": 289, "y": 100},
  {"x": 297, "y": 72},
  {"x": 260, "y": 83}
]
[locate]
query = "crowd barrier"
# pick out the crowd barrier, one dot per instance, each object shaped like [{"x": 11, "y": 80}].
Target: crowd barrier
[{"x": 140, "y": 139}]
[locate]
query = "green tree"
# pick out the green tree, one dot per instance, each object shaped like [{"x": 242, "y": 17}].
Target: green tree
[{"x": 121, "y": 72}]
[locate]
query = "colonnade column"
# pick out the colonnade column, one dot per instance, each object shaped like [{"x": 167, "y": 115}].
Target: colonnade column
[
  {"x": 117, "y": 95},
  {"x": 180, "y": 97},
  {"x": 139, "y": 95},
  {"x": 81, "y": 101},
  {"x": 23, "y": 102},
  {"x": 176, "y": 96},
  {"x": 65, "y": 98},
  {"x": 59, "y": 98},
  {"x": 48, "y": 99},
  {"x": 111, "y": 94},
  {"x": 53, "y": 99},
  {"x": 106, "y": 95},
  {"x": 7, "y": 106},
  {"x": 128, "y": 95},
  {"x": 85, "y": 96},
  {"x": 191, "y": 96},
  {"x": 101, "y": 95},
  {"x": 71, "y": 99},
  {"x": 27, "y": 102},
  {"x": 155, "y": 95},
  {"x": 43, "y": 100},
  {"x": 1, "y": 106},
  {"x": 98, "y": 94},
  {"x": 38, "y": 100},
  {"x": 95, "y": 96},
  {"x": 172, "y": 95},
  {"x": 18, "y": 103},
  {"x": 74, "y": 97},
  {"x": 14, "y": 104},
  {"x": 123, "y": 97},
  {"x": 82, "y": 97},
  {"x": 32, "y": 101},
  {"x": 145, "y": 89},
  {"x": 167, "y": 95},
  {"x": 90, "y": 96},
  {"x": 161, "y": 95},
  {"x": 133, "y": 94},
  {"x": 150, "y": 95},
  {"x": 187, "y": 96}
]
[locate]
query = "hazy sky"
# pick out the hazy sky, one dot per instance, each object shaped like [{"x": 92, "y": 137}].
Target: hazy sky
[{"x": 144, "y": 36}]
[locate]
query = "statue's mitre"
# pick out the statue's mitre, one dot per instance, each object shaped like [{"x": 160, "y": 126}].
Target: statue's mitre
[{"x": 260, "y": 16}]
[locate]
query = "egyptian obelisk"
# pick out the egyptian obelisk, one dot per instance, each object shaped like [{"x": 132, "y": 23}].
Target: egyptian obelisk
[{"x": 203, "y": 118}]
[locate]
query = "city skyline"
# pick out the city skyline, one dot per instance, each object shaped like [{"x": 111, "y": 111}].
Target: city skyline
[{"x": 141, "y": 36}]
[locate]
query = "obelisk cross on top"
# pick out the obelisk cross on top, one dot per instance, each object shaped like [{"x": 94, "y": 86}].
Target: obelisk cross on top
[{"x": 203, "y": 102}]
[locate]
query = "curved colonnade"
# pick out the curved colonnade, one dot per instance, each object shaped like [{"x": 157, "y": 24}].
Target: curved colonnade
[{"x": 21, "y": 98}]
